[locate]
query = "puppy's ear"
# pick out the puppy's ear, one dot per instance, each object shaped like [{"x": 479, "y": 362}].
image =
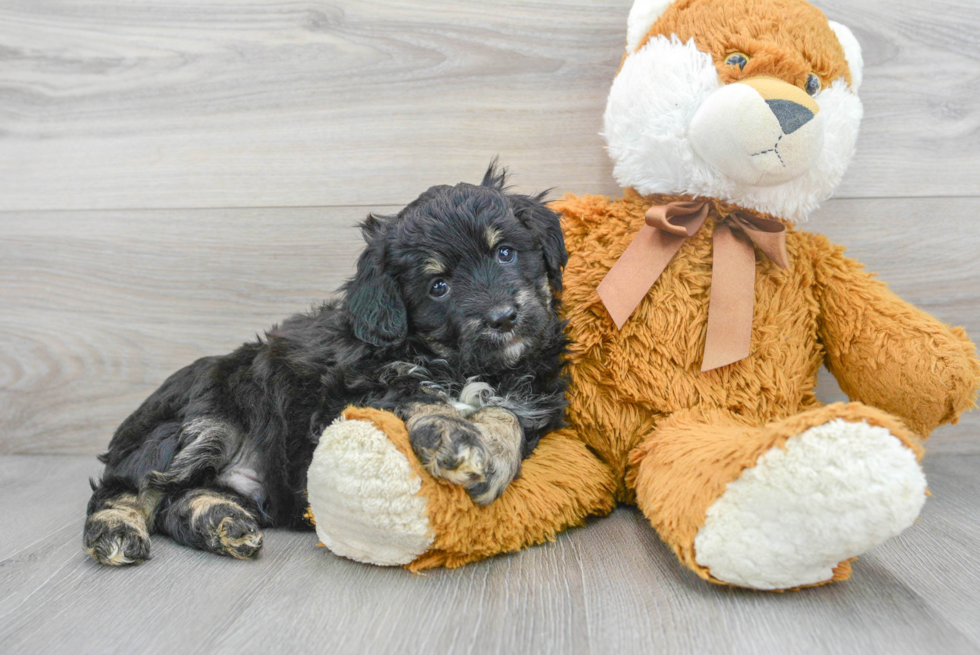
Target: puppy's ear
[
  {"x": 546, "y": 225},
  {"x": 372, "y": 297}
]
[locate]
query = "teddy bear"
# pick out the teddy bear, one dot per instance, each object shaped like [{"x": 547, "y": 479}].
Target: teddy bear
[{"x": 699, "y": 314}]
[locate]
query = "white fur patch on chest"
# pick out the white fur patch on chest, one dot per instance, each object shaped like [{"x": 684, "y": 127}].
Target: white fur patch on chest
[{"x": 473, "y": 397}]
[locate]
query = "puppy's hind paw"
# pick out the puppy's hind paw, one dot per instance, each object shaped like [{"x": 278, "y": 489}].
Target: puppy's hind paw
[
  {"x": 113, "y": 541},
  {"x": 225, "y": 526},
  {"x": 239, "y": 537}
]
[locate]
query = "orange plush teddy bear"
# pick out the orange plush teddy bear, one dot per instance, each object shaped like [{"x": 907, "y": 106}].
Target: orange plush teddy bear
[{"x": 699, "y": 316}]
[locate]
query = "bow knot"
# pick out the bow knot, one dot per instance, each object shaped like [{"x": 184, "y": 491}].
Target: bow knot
[
  {"x": 732, "y": 296},
  {"x": 681, "y": 218}
]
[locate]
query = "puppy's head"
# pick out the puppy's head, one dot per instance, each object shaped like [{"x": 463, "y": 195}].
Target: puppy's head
[{"x": 469, "y": 271}]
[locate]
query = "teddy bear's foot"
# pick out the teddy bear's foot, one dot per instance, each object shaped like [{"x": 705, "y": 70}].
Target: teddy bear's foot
[
  {"x": 834, "y": 492},
  {"x": 365, "y": 496}
]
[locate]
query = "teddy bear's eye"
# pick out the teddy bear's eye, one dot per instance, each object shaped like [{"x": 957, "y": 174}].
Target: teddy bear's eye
[
  {"x": 812, "y": 84},
  {"x": 737, "y": 59}
]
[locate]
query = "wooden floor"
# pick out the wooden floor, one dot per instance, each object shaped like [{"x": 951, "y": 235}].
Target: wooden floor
[
  {"x": 177, "y": 175},
  {"x": 610, "y": 587}
]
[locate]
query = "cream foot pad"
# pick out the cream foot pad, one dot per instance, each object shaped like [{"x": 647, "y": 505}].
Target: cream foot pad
[
  {"x": 836, "y": 491},
  {"x": 364, "y": 496}
]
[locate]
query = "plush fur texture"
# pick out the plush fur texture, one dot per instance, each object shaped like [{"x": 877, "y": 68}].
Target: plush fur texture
[
  {"x": 652, "y": 104},
  {"x": 645, "y": 425},
  {"x": 838, "y": 489},
  {"x": 852, "y": 53},
  {"x": 643, "y": 14},
  {"x": 452, "y": 305},
  {"x": 375, "y": 521},
  {"x": 559, "y": 486}
]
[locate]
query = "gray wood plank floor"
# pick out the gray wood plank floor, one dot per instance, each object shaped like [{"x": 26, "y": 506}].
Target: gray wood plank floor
[{"x": 610, "y": 587}]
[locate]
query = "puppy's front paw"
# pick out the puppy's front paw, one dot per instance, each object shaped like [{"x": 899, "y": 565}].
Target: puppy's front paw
[{"x": 450, "y": 448}]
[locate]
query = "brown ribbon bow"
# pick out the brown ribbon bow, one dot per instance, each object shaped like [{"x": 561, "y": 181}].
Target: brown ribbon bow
[{"x": 732, "y": 271}]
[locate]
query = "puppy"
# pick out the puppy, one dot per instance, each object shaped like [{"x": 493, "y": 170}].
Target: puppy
[{"x": 450, "y": 321}]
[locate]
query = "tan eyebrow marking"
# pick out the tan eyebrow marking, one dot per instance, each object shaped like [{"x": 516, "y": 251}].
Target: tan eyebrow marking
[
  {"x": 492, "y": 236},
  {"x": 433, "y": 265}
]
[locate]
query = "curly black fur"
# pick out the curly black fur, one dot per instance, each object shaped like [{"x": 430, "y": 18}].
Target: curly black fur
[{"x": 245, "y": 424}]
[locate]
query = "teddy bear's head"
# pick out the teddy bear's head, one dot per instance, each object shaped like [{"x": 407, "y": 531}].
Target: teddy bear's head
[{"x": 753, "y": 102}]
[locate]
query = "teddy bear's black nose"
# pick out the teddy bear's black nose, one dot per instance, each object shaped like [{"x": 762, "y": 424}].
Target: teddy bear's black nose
[{"x": 791, "y": 116}]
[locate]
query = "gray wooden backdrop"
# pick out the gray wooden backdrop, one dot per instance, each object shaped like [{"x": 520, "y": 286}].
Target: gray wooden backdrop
[{"x": 175, "y": 175}]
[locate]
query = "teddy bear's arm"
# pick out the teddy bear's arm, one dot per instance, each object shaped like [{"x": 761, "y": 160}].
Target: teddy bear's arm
[
  {"x": 888, "y": 353},
  {"x": 400, "y": 514},
  {"x": 560, "y": 484}
]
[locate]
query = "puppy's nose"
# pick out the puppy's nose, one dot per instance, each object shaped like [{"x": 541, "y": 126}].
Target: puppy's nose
[{"x": 503, "y": 318}]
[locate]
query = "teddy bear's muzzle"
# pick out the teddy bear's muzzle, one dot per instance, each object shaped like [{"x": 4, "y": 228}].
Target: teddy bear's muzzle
[{"x": 760, "y": 131}]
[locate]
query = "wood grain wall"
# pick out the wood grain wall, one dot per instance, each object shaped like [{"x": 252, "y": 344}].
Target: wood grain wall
[{"x": 175, "y": 175}]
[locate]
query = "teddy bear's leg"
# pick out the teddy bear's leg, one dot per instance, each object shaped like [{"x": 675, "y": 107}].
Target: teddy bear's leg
[
  {"x": 373, "y": 502},
  {"x": 783, "y": 505}
]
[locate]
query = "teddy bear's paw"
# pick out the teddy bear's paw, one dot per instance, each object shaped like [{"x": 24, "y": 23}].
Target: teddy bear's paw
[
  {"x": 834, "y": 492},
  {"x": 365, "y": 497}
]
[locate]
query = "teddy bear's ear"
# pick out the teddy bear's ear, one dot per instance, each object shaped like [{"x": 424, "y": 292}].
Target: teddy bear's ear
[
  {"x": 852, "y": 51},
  {"x": 642, "y": 17}
]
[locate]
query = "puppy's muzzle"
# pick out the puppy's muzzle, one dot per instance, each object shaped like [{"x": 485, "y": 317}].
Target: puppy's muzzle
[{"x": 502, "y": 318}]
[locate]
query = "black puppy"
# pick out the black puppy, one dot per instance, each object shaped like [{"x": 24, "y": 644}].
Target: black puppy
[{"x": 450, "y": 321}]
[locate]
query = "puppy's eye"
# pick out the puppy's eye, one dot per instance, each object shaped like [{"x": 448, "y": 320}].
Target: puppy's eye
[
  {"x": 737, "y": 59},
  {"x": 506, "y": 255},
  {"x": 812, "y": 84},
  {"x": 439, "y": 288}
]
